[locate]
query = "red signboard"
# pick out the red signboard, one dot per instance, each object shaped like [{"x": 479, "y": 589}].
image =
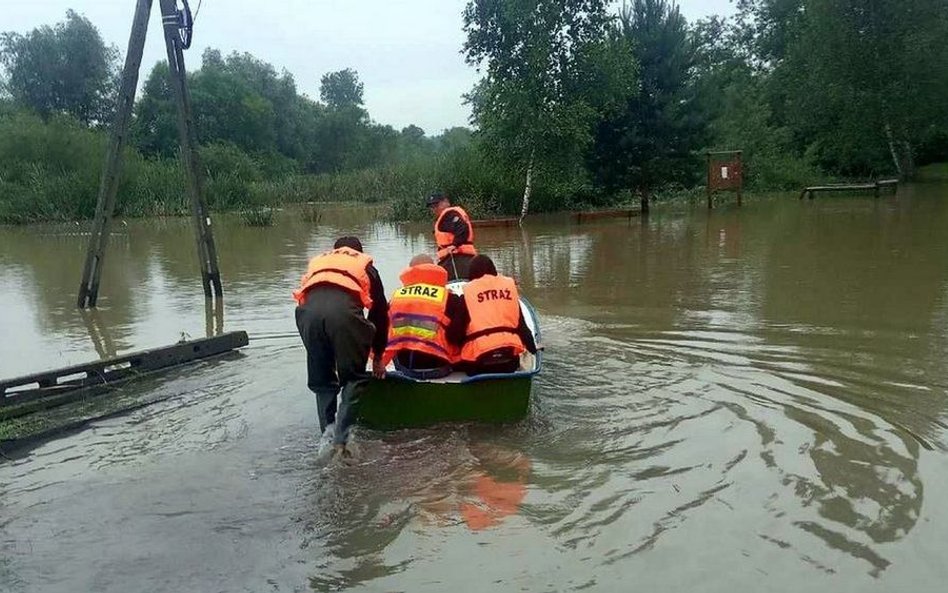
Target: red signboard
[{"x": 725, "y": 172}]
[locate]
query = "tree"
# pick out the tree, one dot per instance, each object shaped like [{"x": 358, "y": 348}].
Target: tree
[
  {"x": 529, "y": 110},
  {"x": 767, "y": 28},
  {"x": 239, "y": 100},
  {"x": 279, "y": 90},
  {"x": 62, "y": 69},
  {"x": 154, "y": 126},
  {"x": 341, "y": 89},
  {"x": 651, "y": 140},
  {"x": 866, "y": 81}
]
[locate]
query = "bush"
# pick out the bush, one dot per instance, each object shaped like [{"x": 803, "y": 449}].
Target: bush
[
  {"x": 51, "y": 171},
  {"x": 227, "y": 160}
]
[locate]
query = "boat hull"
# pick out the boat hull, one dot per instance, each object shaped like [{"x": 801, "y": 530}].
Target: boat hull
[{"x": 401, "y": 403}]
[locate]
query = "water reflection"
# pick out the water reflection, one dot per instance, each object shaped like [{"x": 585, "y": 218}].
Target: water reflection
[
  {"x": 761, "y": 389},
  {"x": 99, "y": 333},
  {"x": 435, "y": 482}
]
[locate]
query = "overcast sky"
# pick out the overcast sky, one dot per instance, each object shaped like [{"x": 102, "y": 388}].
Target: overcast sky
[{"x": 406, "y": 51}]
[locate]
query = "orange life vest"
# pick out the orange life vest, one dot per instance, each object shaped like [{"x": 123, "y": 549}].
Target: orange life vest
[
  {"x": 417, "y": 319},
  {"x": 445, "y": 239},
  {"x": 343, "y": 267},
  {"x": 493, "y": 304}
]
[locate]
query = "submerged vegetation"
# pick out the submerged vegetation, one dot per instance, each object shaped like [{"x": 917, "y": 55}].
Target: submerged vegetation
[{"x": 582, "y": 104}]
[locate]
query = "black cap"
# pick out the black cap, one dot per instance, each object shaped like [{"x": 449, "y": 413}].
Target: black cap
[
  {"x": 350, "y": 242},
  {"x": 435, "y": 198}
]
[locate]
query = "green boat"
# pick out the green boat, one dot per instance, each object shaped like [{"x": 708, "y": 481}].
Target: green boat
[{"x": 400, "y": 401}]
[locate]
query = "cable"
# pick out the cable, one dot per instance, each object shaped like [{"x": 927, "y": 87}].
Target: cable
[{"x": 185, "y": 25}]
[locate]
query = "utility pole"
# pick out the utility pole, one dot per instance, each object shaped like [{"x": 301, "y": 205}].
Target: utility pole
[
  {"x": 173, "y": 23},
  {"x": 207, "y": 253}
]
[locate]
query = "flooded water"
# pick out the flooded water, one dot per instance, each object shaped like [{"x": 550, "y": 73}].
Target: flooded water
[{"x": 748, "y": 400}]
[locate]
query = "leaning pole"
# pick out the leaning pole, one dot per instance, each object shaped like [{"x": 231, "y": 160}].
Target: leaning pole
[{"x": 176, "y": 24}]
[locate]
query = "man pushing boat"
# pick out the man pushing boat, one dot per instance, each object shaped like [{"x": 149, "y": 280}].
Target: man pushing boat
[{"x": 337, "y": 286}]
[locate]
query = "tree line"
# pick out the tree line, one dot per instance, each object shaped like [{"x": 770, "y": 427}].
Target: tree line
[{"x": 581, "y": 103}]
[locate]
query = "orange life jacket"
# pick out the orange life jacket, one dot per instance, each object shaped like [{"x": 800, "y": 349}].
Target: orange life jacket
[
  {"x": 417, "y": 319},
  {"x": 343, "y": 267},
  {"x": 445, "y": 239},
  {"x": 493, "y": 304}
]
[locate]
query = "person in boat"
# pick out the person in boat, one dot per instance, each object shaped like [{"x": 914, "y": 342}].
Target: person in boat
[
  {"x": 418, "y": 321},
  {"x": 490, "y": 325},
  {"x": 333, "y": 292},
  {"x": 454, "y": 236}
]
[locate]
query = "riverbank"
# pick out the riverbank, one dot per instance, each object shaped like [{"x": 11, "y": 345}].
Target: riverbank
[{"x": 50, "y": 172}]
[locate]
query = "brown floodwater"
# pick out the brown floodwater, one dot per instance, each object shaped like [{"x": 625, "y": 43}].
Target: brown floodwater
[{"x": 748, "y": 400}]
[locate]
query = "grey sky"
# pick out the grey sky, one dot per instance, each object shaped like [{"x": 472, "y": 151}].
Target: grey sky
[{"x": 406, "y": 52}]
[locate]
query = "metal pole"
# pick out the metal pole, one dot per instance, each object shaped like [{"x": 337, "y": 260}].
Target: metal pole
[
  {"x": 207, "y": 252},
  {"x": 108, "y": 185}
]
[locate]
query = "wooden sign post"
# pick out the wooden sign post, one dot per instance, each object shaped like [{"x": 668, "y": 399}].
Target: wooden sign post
[
  {"x": 173, "y": 21},
  {"x": 725, "y": 172}
]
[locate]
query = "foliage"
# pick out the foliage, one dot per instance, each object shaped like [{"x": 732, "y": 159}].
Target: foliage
[
  {"x": 531, "y": 110},
  {"x": 341, "y": 89},
  {"x": 62, "y": 69},
  {"x": 578, "y": 106},
  {"x": 867, "y": 81},
  {"x": 857, "y": 84}
]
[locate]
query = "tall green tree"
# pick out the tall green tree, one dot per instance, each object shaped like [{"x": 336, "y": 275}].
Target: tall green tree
[
  {"x": 62, "y": 69},
  {"x": 341, "y": 89},
  {"x": 652, "y": 139},
  {"x": 527, "y": 107}
]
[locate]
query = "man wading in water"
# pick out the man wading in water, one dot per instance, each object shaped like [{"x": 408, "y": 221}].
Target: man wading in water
[{"x": 333, "y": 292}]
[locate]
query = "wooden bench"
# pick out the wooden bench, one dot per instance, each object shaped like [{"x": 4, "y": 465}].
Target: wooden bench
[{"x": 875, "y": 186}]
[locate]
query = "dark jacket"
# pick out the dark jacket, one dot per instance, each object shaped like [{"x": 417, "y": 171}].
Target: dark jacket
[
  {"x": 453, "y": 223},
  {"x": 378, "y": 314}
]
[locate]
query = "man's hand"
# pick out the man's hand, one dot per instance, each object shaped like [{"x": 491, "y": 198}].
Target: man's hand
[{"x": 378, "y": 369}]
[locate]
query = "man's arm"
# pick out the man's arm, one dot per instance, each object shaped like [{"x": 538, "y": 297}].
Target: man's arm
[
  {"x": 378, "y": 314},
  {"x": 453, "y": 223},
  {"x": 523, "y": 330},
  {"x": 458, "y": 317}
]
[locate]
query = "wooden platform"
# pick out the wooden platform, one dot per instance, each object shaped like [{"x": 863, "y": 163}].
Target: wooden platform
[
  {"x": 495, "y": 222},
  {"x": 874, "y": 186},
  {"x": 61, "y": 384},
  {"x": 580, "y": 217},
  {"x": 599, "y": 214}
]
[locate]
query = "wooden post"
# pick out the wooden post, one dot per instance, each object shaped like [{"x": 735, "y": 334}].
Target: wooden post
[
  {"x": 214, "y": 317},
  {"x": 108, "y": 185},
  {"x": 740, "y": 185},
  {"x": 207, "y": 252},
  {"x": 710, "y": 203}
]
